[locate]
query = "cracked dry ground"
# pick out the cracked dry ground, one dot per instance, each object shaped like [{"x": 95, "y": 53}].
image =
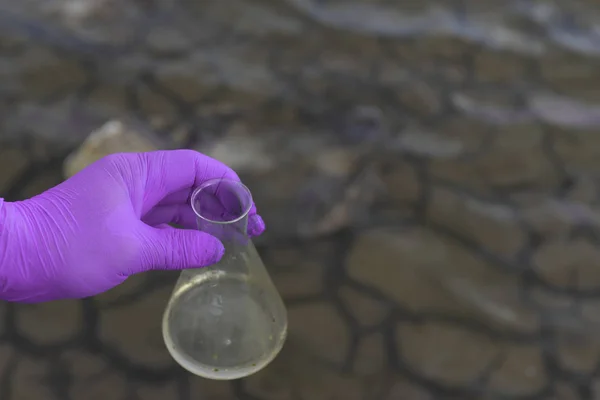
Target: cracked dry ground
[{"x": 432, "y": 203}]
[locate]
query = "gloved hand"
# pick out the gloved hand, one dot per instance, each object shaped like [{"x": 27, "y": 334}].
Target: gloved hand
[{"x": 107, "y": 223}]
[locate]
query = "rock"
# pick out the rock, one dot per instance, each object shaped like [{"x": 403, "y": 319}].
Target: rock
[
  {"x": 367, "y": 310},
  {"x": 7, "y": 360},
  {"x": 213, "y": 390},
  {"x": 403, "y": 389},
  {"x": 45, "y": 74},
  {"x": 242, "y": 152},
  {"x": 28, "y": 380},
  {"x": 156, "y": 107},
  {"x": 572, "y": 264},
  {"x": 578, "y": 353},
  {"x": 40, "y": 183},
  {"x": 321, "y": 330},
  {"x": 446, "y": 353},
  {"x": 12, "y": 162},
  {"x": 298, "y": 374},
  {"x": 411, "y": 265},
  {"x": 51, "y": 322},
  {"x": 92, "y": 378},
  {"x": 491, "y": 225},
  {"x": 167, "y": 42},
  {"x": 521, "y": 371},
  {"x": 135, "y": 329},
  {"x": 158, "y": 392},
  {"x": 295, "y": 274},
  {"x": 370, "y": 356},
  {"x": 112, "y": 137},
  {"x": 134, "y": 286},
  {"x": 420, "y": 98},
  {"x": 500, "y": 67}
]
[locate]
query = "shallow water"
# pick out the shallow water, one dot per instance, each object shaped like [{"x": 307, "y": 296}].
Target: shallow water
[{"x": 428, "y": 170}]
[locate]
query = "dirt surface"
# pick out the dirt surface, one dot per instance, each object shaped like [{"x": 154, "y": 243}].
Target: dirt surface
[{"x": 429, "y": 175}]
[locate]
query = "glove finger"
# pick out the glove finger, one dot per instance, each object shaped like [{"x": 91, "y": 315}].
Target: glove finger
[
  {"x": 178, "y": 214},
  {"x": 179, "y": 197},
  {"x": 177, "y": 249},
  {"x": 256, "y": 225},
  {"x": 183, "y": 216},
  {"x": 175, "y": 170}
]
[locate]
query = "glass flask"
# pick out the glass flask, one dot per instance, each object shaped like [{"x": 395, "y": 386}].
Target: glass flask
[{"x": 225, "y": 321}]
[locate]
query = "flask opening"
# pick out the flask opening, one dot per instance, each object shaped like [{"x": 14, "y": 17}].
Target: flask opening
[{"x": 221, "y": 201}]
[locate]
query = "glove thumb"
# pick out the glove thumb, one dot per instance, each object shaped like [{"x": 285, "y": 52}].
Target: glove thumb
[{"x": 176, "y": 249}]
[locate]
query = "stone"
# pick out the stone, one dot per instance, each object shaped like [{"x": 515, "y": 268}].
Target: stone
[
  {"x": 562, "y": 111},
  {"x": 7, "y": 358},
  {"x": 420, "y": 98},
  {"x": 158, "y": 391},
  {"x": 321, "y": 330},
  {"x": 367, "y": 310},
  {"x": 40, "y": 183},
  {"x": 521, "y": 371},
  {"x": 570, "y": 75},
  {"x": 299, "y": 272},
  {"x": 326, "y": 384},
  {"x": 112, "y": 137},
  {"x": 3, "y": 309},
  {"x": 499, "y": 67},
  {"x": 214, "y": 390},
  {"x": 185, "y": 83},
  {"x": 491, "y": 225},
  {"x": 563, "y": 391},
  {"x": 13, "y": 162},
  {"x": 167, "y": 42},
  {"x": 577, "y": 149},
  {"x": 370, "y": 356},
  {"x": 578, "y": 352},
  {"x": 411, "y": 265},
  {"x": 51, "y": 322},
  {"x": 288, "y": 372},
  {"x": 270, "y": 385},
  {"x": 294, "y": 274},
  {"x": 401, "y": 182},
  {"x": 429, "y": 144},
  {"x": 92, "y": 378},
  {"x": 28, "y": 380},
  {"x": 108, "y": 97},
  {"x": 44, "y": 74},
  {"x": 448, "y": 354},
  {"x": 156, "y": 106},
  {"x": 134, "y": 285},
  {"x": 590, "y": 314},
  {"x": 336, "y": 162},
  {"x": 242, "y": 152},
  {"x": 553, "y": 219},
  {"x": 518, "y": 157},
  {"x": 403, "y": 389},
  {"x": 135, "y": 330},
  {"x": 572, "y": 264},
  {"x": 557, "y": 310}
]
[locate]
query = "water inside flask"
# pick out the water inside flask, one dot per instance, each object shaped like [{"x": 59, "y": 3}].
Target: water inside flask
[{"x": 225, "y": 321}]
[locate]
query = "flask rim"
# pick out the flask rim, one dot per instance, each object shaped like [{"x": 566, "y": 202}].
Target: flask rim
[{"x": 239, "y": 185}]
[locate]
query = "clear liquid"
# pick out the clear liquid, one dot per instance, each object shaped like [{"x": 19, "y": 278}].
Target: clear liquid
[{"x": 221, "y": 326}]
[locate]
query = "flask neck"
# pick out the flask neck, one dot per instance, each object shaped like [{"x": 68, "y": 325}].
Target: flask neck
[
  {"x": 222, "y": 207},
  {"x": 231, "y": 234}
]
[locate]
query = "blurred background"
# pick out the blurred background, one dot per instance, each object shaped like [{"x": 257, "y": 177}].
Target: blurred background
[{"x": 429, "y": 172}]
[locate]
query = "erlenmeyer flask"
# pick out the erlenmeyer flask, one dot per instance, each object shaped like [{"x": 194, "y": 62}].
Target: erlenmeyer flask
[{"x": 226, "y": 321}]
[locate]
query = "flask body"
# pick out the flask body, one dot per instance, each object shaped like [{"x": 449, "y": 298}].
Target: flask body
[{"x": 225, "y": 321}]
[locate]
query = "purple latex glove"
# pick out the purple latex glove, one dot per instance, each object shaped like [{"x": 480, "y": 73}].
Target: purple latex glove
[{"x": 107, "y": 223}]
